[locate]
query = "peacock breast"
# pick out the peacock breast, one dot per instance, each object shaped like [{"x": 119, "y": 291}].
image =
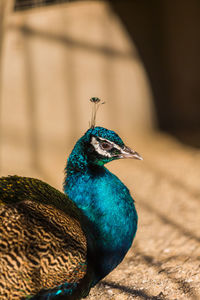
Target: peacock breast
[{"x": 108, "y": 205}]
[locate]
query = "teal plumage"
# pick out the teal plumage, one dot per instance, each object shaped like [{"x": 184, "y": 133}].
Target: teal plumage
[{"x": 55, "y": 245}]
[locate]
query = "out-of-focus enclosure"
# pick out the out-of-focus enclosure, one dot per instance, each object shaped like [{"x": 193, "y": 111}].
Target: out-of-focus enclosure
[
  {"x": 142, "y": 58},
  {"x": 54, "y": 59}
]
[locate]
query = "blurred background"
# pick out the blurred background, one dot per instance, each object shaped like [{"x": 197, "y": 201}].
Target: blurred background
[
  {"x": 54, "y": 59},
  {"x": 142, "y": 58}
]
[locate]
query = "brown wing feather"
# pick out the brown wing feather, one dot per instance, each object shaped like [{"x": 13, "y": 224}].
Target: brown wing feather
[{"x": 41, "y": 247}]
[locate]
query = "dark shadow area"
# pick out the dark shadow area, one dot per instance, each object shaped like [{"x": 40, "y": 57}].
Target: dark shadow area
[
  {"x": 69, "y": 41},
  {"x": 29, "y": 4},
  {"x": 182, "y": 258},
  {"x": 130, "y": 291},
  {"x": 167, "y": 36},
  {"x": 151, "y": 261},
  {"x": 170, "y": 222},
  {"x": 188, "y": 137}
]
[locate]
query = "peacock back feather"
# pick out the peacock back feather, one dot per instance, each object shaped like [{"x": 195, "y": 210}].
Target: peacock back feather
[{"x": 42, "y": 247}]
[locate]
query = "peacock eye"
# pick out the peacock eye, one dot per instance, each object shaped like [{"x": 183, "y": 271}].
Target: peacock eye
[{"x": 106, "y": 146}]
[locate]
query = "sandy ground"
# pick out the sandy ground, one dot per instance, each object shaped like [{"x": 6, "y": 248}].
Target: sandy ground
[{"x": 164, "y": 261}]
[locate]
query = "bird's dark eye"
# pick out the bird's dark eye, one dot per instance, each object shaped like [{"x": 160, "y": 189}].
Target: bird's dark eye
[{"x": 106, "y": 146}]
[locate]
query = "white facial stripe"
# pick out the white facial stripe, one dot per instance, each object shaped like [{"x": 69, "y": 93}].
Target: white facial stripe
[
  {"x": 114, "y": 145},
  {"x": 97, "y": 147}
]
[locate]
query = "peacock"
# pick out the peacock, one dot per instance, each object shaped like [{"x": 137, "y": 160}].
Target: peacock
[{"x": 56, "y": 245}]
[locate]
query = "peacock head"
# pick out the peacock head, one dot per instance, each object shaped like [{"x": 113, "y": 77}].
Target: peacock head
[
  {"x": 98, "y": 146},
  {"x": 103, "y": 145}
]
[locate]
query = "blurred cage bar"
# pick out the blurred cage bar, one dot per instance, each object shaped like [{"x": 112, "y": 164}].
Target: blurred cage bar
[{"x": 28, "y": 4}]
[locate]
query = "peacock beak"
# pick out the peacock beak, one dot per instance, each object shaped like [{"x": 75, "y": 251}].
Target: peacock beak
[{"x": 127, "y": 152}]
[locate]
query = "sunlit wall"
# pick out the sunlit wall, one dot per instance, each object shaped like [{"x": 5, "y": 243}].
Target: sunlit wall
[{"x": 54, "y": 60}]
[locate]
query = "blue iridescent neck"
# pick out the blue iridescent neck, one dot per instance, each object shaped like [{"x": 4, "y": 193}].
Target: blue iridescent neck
[{"x": 106, "y": 202}]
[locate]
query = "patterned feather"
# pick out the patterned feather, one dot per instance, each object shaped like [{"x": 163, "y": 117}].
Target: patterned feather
[{"x": 41, "y": 246}]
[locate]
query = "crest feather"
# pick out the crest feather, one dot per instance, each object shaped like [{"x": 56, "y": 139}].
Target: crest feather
[{"x": 96, "y": 102}]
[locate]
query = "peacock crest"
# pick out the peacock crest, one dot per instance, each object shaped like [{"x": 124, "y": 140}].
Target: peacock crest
[{"x": 96, "y": 103}]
